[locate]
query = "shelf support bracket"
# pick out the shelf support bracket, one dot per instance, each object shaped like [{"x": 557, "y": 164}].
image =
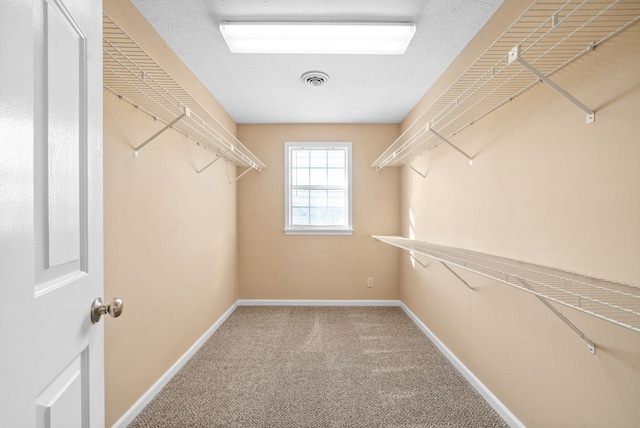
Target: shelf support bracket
[
  {"x": 418, "y": 261},
  {"x": 239, "y": 176},
  {"x": 207, "y": 165},
  {"x": 514, "y": 55},
  {"x": 456, "y": 275},
  {"x": 590, "y": 345},
  {"x": 451, "y": 144},
  {"x": 167, "y": 126},
  {"x": 415, "y": 170}
]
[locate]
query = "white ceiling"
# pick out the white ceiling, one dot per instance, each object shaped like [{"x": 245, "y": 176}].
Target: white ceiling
[{"x": 262, "y": 88}]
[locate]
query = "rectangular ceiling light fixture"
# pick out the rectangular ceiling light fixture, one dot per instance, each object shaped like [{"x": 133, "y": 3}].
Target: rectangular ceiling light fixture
[{"x": 318, "y": 37}]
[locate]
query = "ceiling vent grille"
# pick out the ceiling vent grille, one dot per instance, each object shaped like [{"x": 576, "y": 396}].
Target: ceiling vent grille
[{"x": 315, "y": 78}]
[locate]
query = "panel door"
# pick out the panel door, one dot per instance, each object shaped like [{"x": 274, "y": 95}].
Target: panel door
[{"x": 51, "y": 363}]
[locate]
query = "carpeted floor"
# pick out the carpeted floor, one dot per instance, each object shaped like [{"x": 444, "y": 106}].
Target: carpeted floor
[{"x": 318, "y": 367}]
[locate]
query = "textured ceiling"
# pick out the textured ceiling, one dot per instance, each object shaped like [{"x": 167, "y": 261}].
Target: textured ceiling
[{"x": 263, "y": 88}]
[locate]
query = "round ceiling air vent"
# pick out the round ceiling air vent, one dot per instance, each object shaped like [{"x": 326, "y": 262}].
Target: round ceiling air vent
[{"x": 315, "y": 78}]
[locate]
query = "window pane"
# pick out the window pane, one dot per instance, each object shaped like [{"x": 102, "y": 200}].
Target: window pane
[
  {"x": 300, "y": 176},
  {"x": 336, "y": 198},
  {"x": 336, "y": 177},
  {"x": 319, "y": 217},
  {"x": 300, "y": 198},
  {"x": 318, "y": 208},
  {"x": 327, "y": 216},
  {"x": 318, "y": 177},
  {"x": 300, "y": 216},
  {"x": 337, "y": 215},
  {"x": 318, "y": 198},
  {"x": 300, "y": 158},
  {"x": 318, "y": 158},
  {"x": 336, "y": 158}
]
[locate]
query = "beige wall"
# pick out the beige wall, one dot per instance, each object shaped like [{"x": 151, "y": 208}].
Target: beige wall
[
  {"x": 273, "y": 265},
  {"x": 170, "y": 237},
  {"x": 548, "y": 189}
]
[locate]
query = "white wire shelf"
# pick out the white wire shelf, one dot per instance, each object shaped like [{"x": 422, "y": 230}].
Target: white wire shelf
[
  {"x": 609, "y": 300},
  {"x": 131, "y": 74},
  {"x": 544, "y": 39}
]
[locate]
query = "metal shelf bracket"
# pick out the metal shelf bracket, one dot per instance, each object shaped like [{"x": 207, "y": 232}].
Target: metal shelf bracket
[
  {"x": 424, "y": 265},
  {"x": 451, "y": 144},
  {"x": 186, "y": 112},
  {"x": 590, "y": 345},
  {"x": 198, "y": 172},
  {"x": 456, "y": 275},
  {"x": 415, "y": 170},
  {"x": 231, "y": 181},
  {"x": 514, "y": 55}
]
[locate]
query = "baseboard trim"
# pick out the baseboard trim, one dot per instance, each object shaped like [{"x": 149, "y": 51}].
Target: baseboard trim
[
  {"x": 146, "y": 398},
  {"x": 485, "y": 392},
  {"x": 293, "y": 302}
]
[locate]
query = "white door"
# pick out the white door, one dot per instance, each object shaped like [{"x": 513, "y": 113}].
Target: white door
[{"x": 51, "y": 355}]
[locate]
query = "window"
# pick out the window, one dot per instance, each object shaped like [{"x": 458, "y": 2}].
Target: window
[{"x": 318, "y": 188}]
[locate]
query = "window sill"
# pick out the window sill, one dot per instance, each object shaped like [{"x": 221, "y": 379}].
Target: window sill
[{"x": 317, "y": 231}]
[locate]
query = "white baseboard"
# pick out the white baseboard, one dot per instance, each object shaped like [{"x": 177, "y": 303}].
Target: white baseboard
[
  {"x": 146, "y": 398},
  {"x": 286, "y": 302},
  {"x": 488, "y": 396}
]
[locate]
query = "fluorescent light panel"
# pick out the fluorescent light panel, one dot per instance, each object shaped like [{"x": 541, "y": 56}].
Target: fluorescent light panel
[{"x": 317, "y": 37}]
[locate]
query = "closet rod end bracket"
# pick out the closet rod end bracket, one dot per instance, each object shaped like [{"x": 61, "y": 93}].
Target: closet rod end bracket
[
  {"x": 135, "y": 153},
  {"x": 591, "y": 117},
  {"x": 514, "y": 54},
  {"x": 592, "y": 348}
]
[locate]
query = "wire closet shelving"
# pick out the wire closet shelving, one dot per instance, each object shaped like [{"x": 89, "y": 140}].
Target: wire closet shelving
[
  {"x": 130, "y": 73},
  {"x": 544, "y": 39},
  {"x": 612, "y": 301}
]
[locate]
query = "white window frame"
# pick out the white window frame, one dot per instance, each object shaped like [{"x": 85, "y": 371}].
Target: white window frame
[{"x": 290, "y": 229}]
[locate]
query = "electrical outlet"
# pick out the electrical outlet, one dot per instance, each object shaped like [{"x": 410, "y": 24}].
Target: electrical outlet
[{"x": 370, "y": 282}]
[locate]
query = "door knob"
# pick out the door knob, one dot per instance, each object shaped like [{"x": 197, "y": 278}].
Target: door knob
[{"x": 99, "y": 308}]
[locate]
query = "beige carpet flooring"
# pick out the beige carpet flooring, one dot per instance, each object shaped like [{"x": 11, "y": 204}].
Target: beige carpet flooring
[{"x": 318, "y": 367}]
